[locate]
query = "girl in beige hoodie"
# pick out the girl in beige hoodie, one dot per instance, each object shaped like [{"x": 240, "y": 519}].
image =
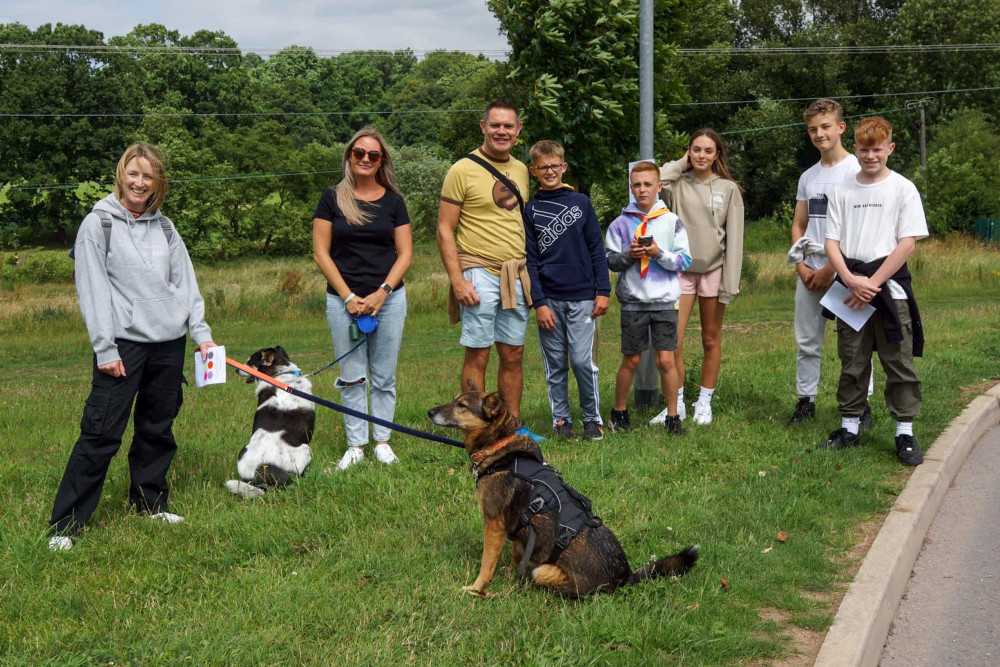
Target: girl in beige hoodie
[{"x": 700, "y": 190}]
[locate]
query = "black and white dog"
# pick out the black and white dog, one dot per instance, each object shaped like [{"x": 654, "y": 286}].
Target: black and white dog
[{"x": 278, "y": 450}]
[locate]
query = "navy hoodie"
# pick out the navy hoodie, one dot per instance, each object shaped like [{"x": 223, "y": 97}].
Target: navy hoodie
[{"x": 565, "y": 253}]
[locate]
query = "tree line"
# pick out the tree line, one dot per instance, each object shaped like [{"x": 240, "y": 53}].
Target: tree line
[{"x": 252, "y": 141}]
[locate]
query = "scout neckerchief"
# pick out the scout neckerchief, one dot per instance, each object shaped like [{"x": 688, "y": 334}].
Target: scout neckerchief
[{"x": 640, "y": 230}]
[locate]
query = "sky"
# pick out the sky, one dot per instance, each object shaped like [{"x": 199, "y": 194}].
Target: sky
[{"x": 328, "y": 26}]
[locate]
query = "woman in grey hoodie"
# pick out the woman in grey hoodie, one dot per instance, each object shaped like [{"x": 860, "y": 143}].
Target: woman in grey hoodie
[{"x": 139, "y": 297}]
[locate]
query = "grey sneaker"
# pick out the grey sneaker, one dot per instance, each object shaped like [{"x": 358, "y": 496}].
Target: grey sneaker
[
  {"x": 908, "y": 451},
  {"x": 564, "y": 429},
  {"x": 592, "y": 431}
]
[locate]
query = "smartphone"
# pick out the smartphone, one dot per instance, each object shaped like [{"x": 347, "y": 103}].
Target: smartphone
[{"x": 646, "y": 240}]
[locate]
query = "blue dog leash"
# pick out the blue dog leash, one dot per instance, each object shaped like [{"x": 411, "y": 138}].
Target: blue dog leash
[
  {"x": 365, "y": 324},
  {"x": 340, "y": 408}
]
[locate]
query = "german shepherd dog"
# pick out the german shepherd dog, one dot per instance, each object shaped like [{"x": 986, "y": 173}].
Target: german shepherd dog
[
  {"x": 593, "y": 562},
  {"x": 283, "y": 425}
]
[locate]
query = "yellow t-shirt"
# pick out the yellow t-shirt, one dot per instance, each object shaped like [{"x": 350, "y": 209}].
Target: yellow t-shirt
[{"x": 490, "y": 224}]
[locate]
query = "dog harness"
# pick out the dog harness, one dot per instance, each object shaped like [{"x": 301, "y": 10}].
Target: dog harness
[{"x": 548, "y": 492}]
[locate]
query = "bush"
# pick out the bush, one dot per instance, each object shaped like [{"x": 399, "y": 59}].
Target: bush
[
  {"x": 38, "y": 267},
  {"x": 961, "y": 181},
  {"x": 419, "y": 175}
]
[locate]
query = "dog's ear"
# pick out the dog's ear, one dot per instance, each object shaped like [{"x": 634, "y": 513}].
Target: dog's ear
[
  {"x": 492, "y": 406},
  {"x": 266, "y": 357},
  {"x": 280, "y": 351},
  {"x": 472, "y": 385}
]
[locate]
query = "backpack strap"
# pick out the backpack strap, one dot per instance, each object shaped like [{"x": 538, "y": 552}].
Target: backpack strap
[
  {"x": 106, "y": 226},
  {"x": 500, "y": 177}
]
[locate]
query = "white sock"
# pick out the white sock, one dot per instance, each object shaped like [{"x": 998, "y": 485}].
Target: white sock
[
  {"x": 680, "y": 395},
  {"x": 852, "y": 424},
  {"x": 705, "y": 397},
  {"x": 904, "y": 428}
]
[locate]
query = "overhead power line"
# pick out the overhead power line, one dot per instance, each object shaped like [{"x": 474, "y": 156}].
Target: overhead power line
[
  {"x": 233, "y": 51},
  {"x": 186, "y": 114},
  {"x": 706, "y": 51},
  {"x": 761, "y": 100},
  {"x": 181, "y": 181},
  {"x": 839, "y": 50},
  {"x": 800, "y": 123}
]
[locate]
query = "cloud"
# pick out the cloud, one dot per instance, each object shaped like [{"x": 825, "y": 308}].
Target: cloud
[{"x": 273, "y": 24}]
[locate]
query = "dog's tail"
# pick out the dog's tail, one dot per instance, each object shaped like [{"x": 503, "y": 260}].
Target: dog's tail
[{"x": 675, "y": 565}]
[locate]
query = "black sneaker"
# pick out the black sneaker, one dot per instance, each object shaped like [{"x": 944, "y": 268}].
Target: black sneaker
[
  {"x": 592, "y": 431},
  {"x": 908, "y": 451},
  {"x": 804, "y": 409},
  {"x": 673, "y": 425},
  {"x": 866, "y": 418},
  {"x": 564, "y": 429},
  {"x": 840, "y": 439},
  {"x": 619, "y": 421}
]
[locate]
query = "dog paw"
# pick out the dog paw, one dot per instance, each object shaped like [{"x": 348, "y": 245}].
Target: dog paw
[
  {"x": 477, "y": 592},
  {"x": 240, "y": 488}
]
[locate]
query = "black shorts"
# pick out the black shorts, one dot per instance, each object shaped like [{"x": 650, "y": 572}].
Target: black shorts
[{"x": 637, "y": 325}]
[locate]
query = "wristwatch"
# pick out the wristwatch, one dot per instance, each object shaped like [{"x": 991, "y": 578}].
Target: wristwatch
[{"x": 387, "y": 288}]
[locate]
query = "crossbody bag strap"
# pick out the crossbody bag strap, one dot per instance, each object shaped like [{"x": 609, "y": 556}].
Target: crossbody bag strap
[{"x": 500, "y": 177}]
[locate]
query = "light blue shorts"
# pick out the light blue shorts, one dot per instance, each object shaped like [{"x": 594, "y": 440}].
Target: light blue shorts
[{"x": 486, "y": 323}]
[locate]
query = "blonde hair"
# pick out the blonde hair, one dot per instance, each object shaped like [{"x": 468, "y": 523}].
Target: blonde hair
[
  {"x": 872, "y": 130},
  {"x": 155, "y": 158},
  {"x": 545, "y": 148},
  {"x": 384, "y": 176},
  {"x": 822, "y": 106}
]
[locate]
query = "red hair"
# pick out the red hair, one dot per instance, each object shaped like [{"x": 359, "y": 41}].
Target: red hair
[{"x": 872, "y": 130}]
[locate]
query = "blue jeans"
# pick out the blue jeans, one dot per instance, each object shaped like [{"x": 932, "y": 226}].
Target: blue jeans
[
  {"x": 572, "y": 341},
  {"x": 373, "y": 363}
]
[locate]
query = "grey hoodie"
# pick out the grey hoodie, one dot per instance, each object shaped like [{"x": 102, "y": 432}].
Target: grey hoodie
[{"x": 137, "y": 289}]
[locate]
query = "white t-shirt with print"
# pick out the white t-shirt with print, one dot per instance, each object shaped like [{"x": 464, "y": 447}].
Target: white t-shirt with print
[
  {"x": 869, "y": 219},
  {"x": 815, "y": 186}
]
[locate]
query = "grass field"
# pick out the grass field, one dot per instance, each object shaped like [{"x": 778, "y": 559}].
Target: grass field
[{"x": 364, "y": 567}]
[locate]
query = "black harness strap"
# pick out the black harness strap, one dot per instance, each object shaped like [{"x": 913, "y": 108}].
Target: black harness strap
[{"x": 549, "y": 492}]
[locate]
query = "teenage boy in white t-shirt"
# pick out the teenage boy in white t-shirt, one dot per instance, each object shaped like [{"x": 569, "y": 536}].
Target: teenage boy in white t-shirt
[
  {"x": 825, "y": 126},
  {"x": 873, "y": 223}
]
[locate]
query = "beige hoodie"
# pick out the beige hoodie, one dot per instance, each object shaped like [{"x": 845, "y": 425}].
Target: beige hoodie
[{"x": 712, "y": 214}]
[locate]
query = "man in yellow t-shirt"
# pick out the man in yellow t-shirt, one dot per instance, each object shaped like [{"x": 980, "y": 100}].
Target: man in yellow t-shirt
[{"x": 487, "y": 253}]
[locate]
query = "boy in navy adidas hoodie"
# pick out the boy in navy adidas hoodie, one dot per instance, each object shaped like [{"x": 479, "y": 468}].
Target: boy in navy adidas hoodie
[
  {"x": 570, "y": 287},
  {"x": 647, "y": 246}
]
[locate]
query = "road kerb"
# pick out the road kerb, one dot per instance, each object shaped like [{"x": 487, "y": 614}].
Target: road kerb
[{"x": 859, "y": 630}]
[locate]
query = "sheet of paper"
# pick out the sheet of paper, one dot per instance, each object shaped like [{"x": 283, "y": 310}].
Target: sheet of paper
[
  {"x": 213, "y": 369},
  {"x": 833, "y": 301}
]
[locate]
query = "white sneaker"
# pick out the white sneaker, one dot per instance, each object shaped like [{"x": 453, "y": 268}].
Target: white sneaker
[
  {"x": 60, "y": 543},
  {"x": 384, "y": 454},
  {"x": 702, "y": 413},
  {"x": 167, "y": 516},
  {"x": 351, "y": 456}
]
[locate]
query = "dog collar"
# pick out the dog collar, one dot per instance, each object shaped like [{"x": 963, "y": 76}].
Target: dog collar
[{"x": 478, "y": 457}]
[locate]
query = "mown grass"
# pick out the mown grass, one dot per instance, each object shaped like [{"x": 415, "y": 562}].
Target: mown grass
[{"x": 364, "y": 567}]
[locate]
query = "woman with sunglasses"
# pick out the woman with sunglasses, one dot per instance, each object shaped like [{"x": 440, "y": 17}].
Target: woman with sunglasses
[{"x": 363, "y": 246}]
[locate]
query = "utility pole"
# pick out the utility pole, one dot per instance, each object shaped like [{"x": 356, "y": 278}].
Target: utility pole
[
  {"x": 647, "y": 377},
  {"x": 922, "y": 104}
]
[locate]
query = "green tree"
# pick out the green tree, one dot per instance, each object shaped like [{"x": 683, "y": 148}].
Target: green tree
[{"x": 576, "y": 64}]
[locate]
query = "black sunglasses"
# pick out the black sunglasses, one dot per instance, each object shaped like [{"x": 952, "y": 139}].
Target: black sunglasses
[{"x": 359, "y": 154}]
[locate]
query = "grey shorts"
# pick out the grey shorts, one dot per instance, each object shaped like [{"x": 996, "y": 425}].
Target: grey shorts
[{"x": 637, "y": 325}]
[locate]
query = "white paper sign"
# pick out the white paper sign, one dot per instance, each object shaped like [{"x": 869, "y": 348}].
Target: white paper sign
[
  {"x": 833, "y": 301},
  {"x": 213, "y": 369}
]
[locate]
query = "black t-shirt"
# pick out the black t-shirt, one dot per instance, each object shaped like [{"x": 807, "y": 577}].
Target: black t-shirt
[{"x": 364, "y": 255}]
